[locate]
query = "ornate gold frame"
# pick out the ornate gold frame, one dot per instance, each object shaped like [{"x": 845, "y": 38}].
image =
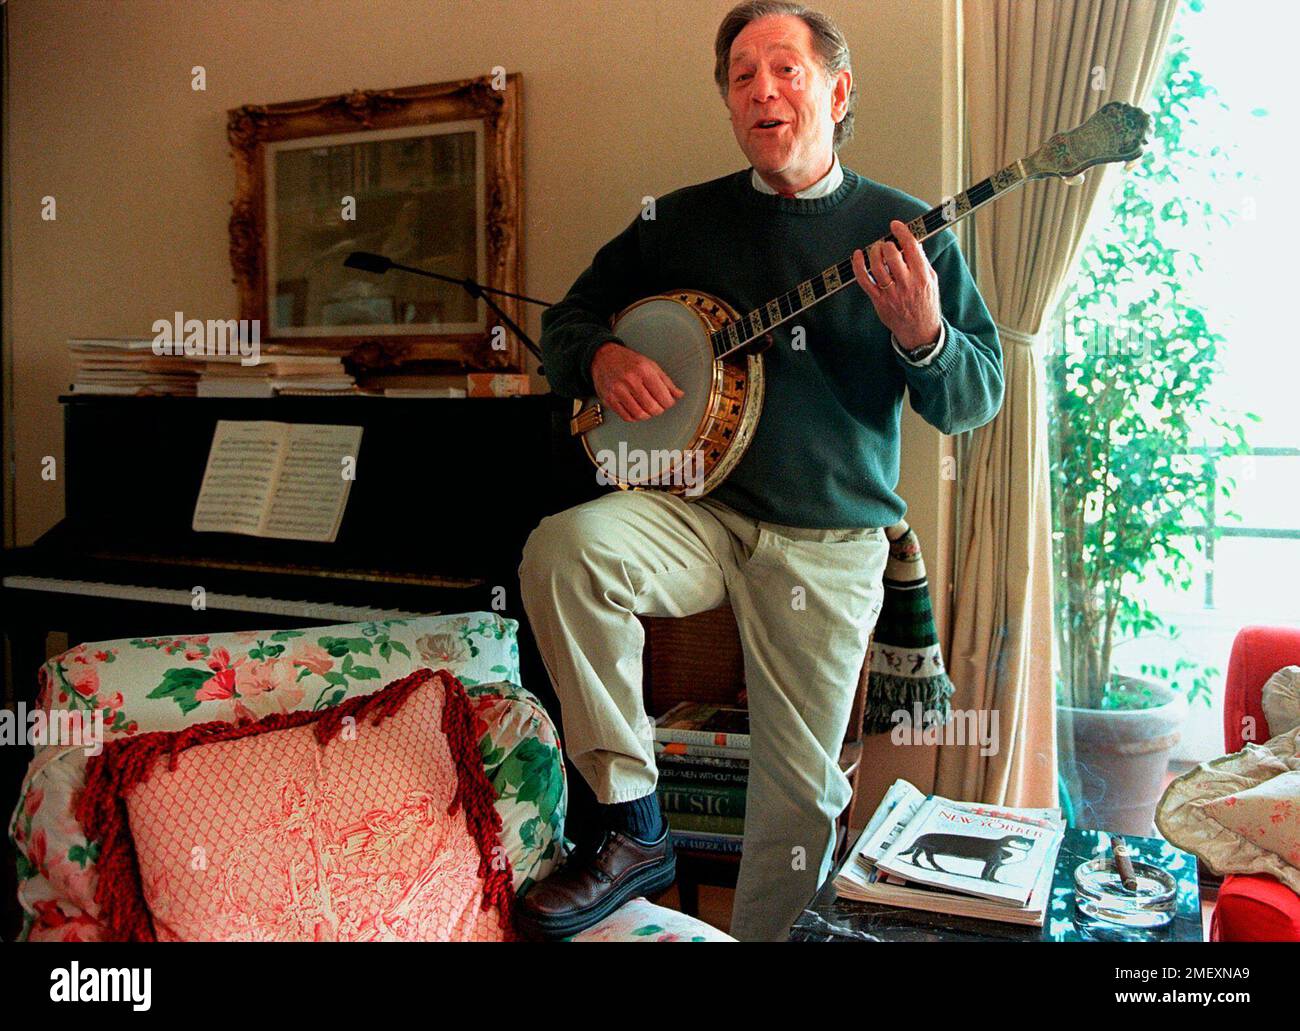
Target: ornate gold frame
[{"x": 251, "y": 127}]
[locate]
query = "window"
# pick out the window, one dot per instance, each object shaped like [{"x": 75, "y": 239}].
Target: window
[{"x": 1174, "y": 412}]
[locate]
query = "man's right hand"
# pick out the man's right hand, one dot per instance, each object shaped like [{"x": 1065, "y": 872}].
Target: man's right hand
[{"x": 634, "y": 386}]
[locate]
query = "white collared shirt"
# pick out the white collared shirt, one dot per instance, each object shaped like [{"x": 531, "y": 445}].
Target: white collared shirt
[
  {"x": 823, "y": 187},
  {"x": 827, "y": 184}
]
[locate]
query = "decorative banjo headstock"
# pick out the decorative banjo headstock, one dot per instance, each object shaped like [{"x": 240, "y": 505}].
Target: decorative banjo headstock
[{"x": 1115, "y": 132}]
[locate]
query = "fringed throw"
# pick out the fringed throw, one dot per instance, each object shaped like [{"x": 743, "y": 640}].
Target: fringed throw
[{"x": 906, "y": 668}]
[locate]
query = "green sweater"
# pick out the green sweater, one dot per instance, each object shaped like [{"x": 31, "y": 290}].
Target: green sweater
[{"x": 825, "y": 452}]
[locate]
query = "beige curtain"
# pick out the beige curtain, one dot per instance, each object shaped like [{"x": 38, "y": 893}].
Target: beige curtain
[{"x": 1032, "y": 68}]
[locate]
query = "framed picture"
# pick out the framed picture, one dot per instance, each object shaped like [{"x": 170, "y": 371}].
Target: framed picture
[{"x": 425, "y": 175}]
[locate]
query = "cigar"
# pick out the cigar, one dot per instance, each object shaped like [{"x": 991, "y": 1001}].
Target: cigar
[{"x": 1123, "y": 856}]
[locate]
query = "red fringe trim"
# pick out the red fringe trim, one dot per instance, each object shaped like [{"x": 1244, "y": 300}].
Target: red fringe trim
[{"x": 101, "y": 806}]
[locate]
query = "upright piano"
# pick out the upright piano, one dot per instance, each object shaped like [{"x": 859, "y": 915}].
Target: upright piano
[{"x": 446, "y": 492}]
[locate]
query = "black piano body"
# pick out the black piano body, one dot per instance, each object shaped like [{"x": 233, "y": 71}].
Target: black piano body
[{"x": 446, "y": 492}]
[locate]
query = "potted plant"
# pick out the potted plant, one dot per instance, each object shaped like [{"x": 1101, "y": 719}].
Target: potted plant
[{"x": 1133, "y": 438}]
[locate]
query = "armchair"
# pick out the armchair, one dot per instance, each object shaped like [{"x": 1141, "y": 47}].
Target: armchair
[
  {"x": 168, "y": 683},
  {"x": 1255, "y": 907}
]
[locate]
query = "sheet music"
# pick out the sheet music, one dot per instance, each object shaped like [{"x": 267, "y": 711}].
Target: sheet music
[
  {"x": 311, "y": 490},
  {"x": 239, "y": 477},
  {"x": 276, "y": 479}
]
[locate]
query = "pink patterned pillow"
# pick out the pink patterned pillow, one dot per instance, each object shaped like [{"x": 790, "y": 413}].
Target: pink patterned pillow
[{"x": 356, "y": 823}]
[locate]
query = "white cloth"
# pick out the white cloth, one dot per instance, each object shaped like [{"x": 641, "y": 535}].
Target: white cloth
[{"x": 1281, "y": 700}]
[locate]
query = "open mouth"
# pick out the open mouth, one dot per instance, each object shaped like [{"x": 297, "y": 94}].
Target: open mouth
[{"x": 769, "y": 123}]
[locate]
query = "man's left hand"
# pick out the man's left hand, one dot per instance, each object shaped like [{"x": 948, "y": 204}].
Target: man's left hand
[{"x": 906, "y": 289}]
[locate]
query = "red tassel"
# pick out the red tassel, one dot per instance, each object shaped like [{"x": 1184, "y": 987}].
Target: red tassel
[
  {"x": 475, "y": 793},
  {"x": 101, "y": 805}
]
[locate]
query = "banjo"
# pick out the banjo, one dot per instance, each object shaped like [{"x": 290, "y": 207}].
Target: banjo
[{"x": 713, "y": 352}]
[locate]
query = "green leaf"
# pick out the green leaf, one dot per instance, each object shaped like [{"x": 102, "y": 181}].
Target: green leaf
[
  {"x": 341, "y": 646},
  {"x": 26, "y": 868},
  {"x": 181, "y": 685}
]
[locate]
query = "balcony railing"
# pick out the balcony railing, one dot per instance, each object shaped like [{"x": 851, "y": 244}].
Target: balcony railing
[{"x": 1213, "y": 530}]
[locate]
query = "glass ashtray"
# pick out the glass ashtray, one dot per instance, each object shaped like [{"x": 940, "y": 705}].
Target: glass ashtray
[{"x": 1100, "y": 895}]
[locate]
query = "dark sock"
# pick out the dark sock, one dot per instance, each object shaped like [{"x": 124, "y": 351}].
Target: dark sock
[
  {"x": 639, "y": 818},
  {"x": 584, "y": 820}
]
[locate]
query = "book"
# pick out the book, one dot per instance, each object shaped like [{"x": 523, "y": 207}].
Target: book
[
  {"x": 899, "y": 805},
  {"x": 674, "y": 749},
  {"x": 994, "y": 854},
  {"x": 424, "y": 392},
  {"x": 277, "y": 479},
  {"x": 704, "y": 841},
  {"x": 885, "y": 889},
  {"x": 703, "y": 822},
  {"x": 496, "y": 384},
  {"x": 703, "y": 769},
  {"x": 710, "y": 800},
  {"x": 980, "y": 874},
  {"x": 697, "y": 723}
]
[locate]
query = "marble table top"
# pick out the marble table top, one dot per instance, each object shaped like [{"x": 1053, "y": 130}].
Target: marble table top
[{"x": 829, "y": 918}]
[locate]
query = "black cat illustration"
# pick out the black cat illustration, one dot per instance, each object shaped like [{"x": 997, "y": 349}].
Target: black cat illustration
[{"x": 994, "y": 853}]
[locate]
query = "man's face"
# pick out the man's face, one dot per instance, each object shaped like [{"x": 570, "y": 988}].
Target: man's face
[{"x": 783, "y": 106}]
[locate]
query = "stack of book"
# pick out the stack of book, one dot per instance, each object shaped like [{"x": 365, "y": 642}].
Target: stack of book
[
  {"x": 275, "y": 374},
  {"x": 962, "y": 858},
  {"x": 124, "y": 366},
  {"x": 703, "y": 756},
  {"x": 108, "y": 365}
]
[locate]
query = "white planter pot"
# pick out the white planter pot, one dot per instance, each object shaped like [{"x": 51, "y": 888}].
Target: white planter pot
[{"x": 1121, "y": 758}]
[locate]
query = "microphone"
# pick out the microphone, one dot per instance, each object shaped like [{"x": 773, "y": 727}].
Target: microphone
[{"x": 368, "y": 261}]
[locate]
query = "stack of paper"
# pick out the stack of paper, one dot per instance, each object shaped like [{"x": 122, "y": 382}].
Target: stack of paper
[{"x": 108, "y": 365}]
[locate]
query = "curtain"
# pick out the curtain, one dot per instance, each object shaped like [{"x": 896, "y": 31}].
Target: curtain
[{"x": 1032, "y": 68}]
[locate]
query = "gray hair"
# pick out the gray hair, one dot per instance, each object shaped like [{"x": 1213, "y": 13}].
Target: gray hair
[{"x": 828, "y": 42}]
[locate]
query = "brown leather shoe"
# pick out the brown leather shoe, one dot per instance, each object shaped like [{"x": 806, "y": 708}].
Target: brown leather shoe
[{"x": 594, "y": 882}]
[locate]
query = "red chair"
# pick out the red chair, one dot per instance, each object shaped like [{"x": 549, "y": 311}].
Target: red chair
[{"x": 1255, "y": 907}]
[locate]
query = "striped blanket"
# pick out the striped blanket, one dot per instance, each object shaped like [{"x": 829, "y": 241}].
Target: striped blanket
[{"x": 905, "y": 664}]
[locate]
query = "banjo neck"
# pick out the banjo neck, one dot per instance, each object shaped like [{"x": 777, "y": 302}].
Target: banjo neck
[{"x": 754, "y": 325}]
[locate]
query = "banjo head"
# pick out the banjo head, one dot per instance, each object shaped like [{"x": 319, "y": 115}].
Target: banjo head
[{"x": 652, "y": 452}]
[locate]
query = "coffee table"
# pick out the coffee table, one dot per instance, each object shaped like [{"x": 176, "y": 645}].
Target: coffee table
[{"x": 829, "y": 918}]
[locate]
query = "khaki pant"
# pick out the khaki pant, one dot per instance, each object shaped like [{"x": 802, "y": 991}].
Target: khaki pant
[{"x": 806, "y": 602}]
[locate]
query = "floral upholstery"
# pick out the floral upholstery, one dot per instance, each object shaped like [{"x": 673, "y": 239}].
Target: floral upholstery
[
  {"x": 167, "y": 683},
  {"x": 642, "y": 921},
  {"x": 171, "y": 682}
]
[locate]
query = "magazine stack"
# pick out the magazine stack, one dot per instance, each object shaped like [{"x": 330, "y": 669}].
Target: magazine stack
[{"x": 962, "y": 858}]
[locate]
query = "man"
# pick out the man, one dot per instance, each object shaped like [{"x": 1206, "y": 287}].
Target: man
[{"x": 794, "y": 537}]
